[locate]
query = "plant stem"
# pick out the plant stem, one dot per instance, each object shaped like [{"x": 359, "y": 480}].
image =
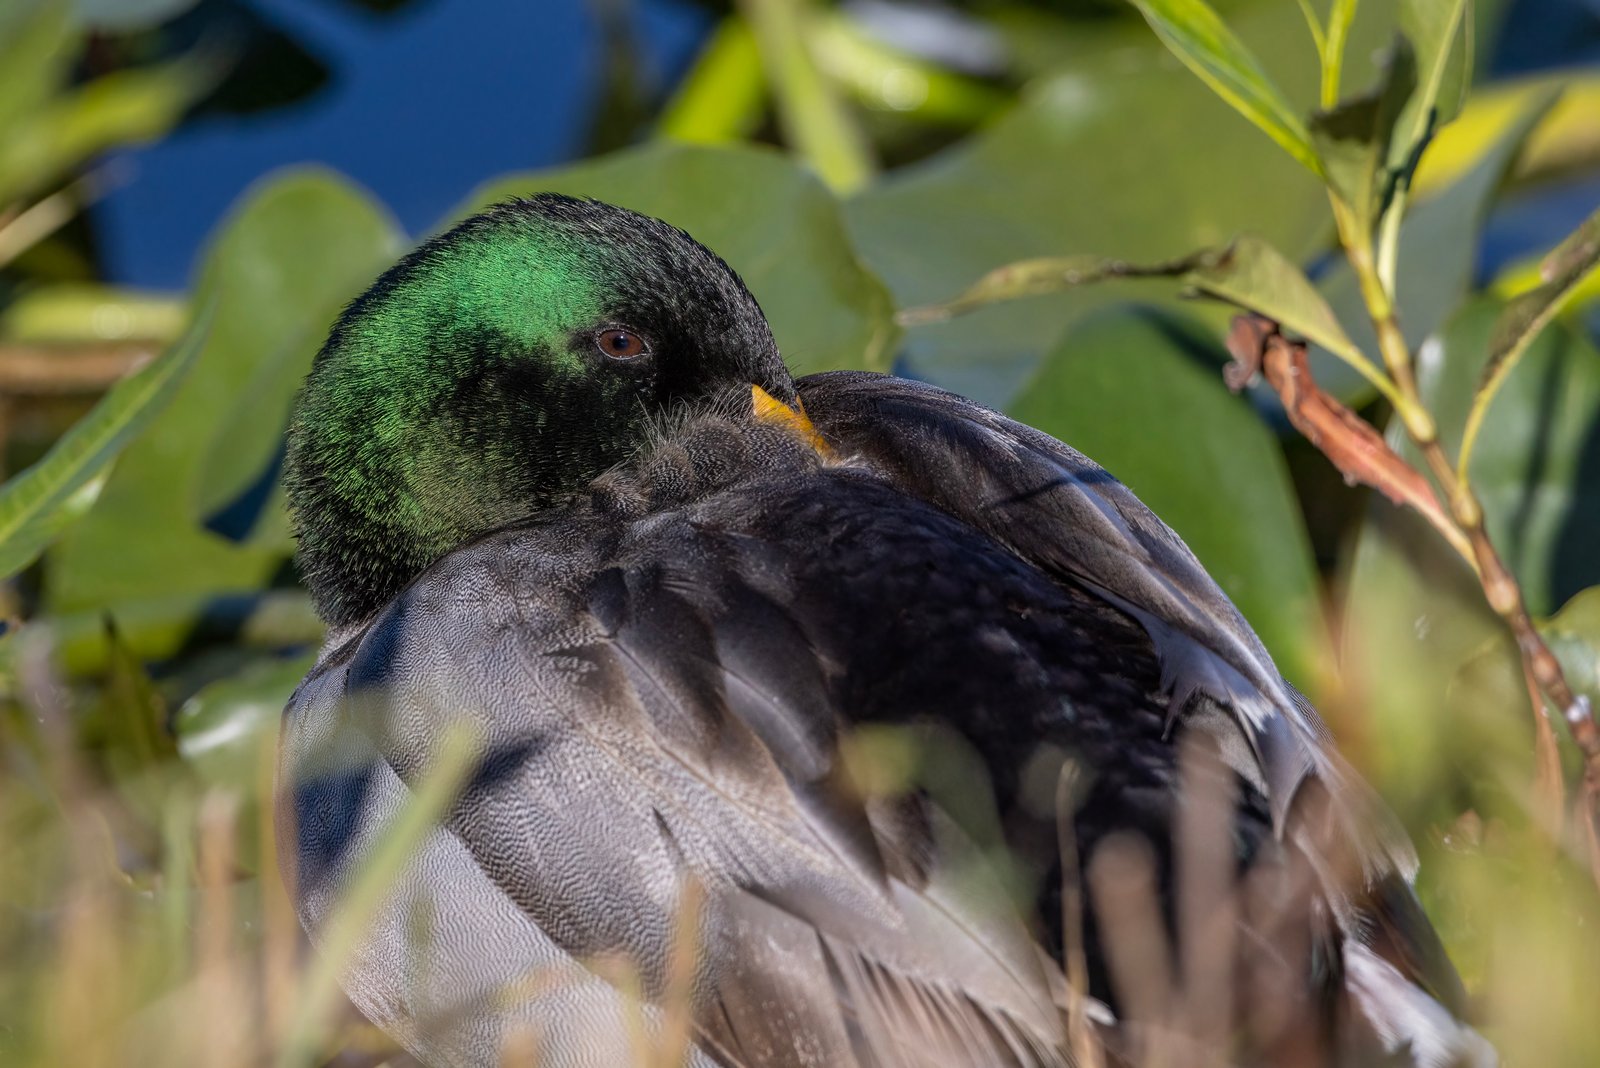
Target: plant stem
[
  {"x": 1500, "y": 587},
  {"x": 1339, "y": 19},
  {"x": 814, "y": 119},
  {"x": 1319, "y": 38},
  {"x": 1391, "y": 342}
]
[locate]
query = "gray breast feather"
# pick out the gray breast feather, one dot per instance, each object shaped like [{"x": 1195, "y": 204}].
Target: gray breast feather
[{"x": 611, "y": 776}]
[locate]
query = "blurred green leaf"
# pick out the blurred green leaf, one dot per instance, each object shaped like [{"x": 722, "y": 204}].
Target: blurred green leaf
[
  {"x": 123, "y": 107},
  {"x": 1567, "y": 138},
  {"x": 71, "y": 312},
  {"x": 1441, "y": 38},
  {"x": 1492, "y": 675},
  {"x": 1061, "y": 175},
  {"x": 1249, "y": 274},
  {"x": 1141, "y": 392},
  {"x": 1197, "y": 36},
  {"x": 815, "y": 121},
  {"x": 35, "y": 57},
  {"x": 126, "y": 15},
  {"x": 1526, "y": 316},
  {"x": 221, "y": 728},
  {"x": 722, "y": 97},
  {"x": 886, "y": 79},
  {"x": 154, "y": 628},
  {"x": 42, "y": 501},
  {"x": 1437, "y": 254},
  {"x": 298, "y": 247},
  {"x": 773, "y": 222},
  {"x": 1332, "y": 46},
  {"x": 1415, "y": 612},
  {"x": 1352, "y": 138},
  {"x": 133, "y": 724},
  {"x": 1431, "y": 28}
]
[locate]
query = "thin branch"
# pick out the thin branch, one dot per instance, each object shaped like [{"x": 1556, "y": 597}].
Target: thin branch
[
  {"x": 1348, "y": 441},
  {"x": 21, "y": 230}
]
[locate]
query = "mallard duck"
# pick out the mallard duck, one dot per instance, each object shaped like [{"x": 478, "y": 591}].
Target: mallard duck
[{"x": 554, "y": 487}]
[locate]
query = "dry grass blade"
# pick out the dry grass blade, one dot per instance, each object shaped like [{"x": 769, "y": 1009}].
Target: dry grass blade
[
  {"x": 1207, "y": 909},
  {"x": 1081, "y": 1038},
  {"x": 1122, "y": 882},
  {"x": 319, "y": 993}
]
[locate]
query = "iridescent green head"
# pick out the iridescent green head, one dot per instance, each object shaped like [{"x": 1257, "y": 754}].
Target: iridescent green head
[{"x": 496, "y": 370}]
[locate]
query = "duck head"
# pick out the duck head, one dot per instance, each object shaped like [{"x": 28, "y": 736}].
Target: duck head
[{"x": 498, "y": 369}]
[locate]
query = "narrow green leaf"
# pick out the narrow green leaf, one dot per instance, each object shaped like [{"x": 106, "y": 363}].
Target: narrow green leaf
[
  {"x": 1444, "y": 70},
  {"x": 1314, "y": 24},
  {"x": 430, "y": 795},
  {"x": 1332, "y": 49},
  {"x": 1258, "y": 278},
  {"x": 1433, "y": 269},
  {"x": 1250, "y": 273},
  {"x": 815, "y": 120},
  {"x": 35, "y": 505},
  {"x": 1353, "y": 138},
  {"x": 294, "y": 250},
  {"x": 1050, "y": 274},
  {"x": 1440, "y": 36},
  {"x": 1197, "y": 36},
  {"x": 1525, "y": 317}
]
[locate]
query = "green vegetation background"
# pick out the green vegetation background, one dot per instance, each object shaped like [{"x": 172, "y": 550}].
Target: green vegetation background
[{"x": 156, "y": 627}]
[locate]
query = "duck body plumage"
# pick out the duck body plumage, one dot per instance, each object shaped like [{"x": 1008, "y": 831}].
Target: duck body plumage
[{"x": 666, "y": 677}]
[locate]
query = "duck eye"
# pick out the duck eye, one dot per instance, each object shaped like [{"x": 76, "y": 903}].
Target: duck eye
[{"x": 620, "y": 344}]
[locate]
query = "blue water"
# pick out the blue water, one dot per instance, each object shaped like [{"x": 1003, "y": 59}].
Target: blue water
[
  {"x": 423, "y": 105},
  {"x": 427, "y": 103}
]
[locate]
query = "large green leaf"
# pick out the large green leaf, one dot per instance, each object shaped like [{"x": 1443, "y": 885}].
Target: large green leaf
[
  {"x": 1415, "y": 611},
  {"x": 774, "y": 223},
  {"x": 1120, "y": 155},
  {"x": 298, "y": 247},
  {"x": 1206, "y": 46},
  {"x": 1141, "y": 392},
  {"x": 1249, "y": 274},
  {"x": 39, "y": 503}
]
